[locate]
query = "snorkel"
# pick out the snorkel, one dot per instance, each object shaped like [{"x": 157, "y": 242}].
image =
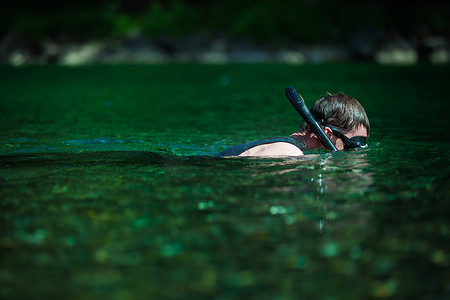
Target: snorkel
[{"x": 300, "y": 106}]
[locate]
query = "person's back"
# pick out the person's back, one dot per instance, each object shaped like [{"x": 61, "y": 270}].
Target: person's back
[{"x": 280, "y": 146}]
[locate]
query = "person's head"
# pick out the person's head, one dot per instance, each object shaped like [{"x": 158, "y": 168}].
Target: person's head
[{"x": 340, "y": 115}]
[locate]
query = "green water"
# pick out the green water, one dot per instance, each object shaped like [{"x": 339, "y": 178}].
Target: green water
[{"x": 109, "y": 186}]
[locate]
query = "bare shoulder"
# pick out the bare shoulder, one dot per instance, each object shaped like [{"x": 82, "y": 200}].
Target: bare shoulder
[{"x": 273, "y": 150}]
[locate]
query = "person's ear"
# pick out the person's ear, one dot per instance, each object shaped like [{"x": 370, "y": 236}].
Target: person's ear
[{"x": 328, "y": 132}]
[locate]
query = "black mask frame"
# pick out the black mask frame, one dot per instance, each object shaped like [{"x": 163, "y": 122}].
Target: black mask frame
[{"x": 349, "y": 143}]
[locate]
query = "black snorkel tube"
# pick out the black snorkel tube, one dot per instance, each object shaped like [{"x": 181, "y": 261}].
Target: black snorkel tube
[{"x": 300, "y": 106}]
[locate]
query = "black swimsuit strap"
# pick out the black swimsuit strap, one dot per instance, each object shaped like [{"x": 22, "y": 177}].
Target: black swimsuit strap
[{"x": 238, "y": 149}]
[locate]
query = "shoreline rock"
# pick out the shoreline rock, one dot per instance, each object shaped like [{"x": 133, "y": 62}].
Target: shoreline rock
[{"x": 16, "y": 50}]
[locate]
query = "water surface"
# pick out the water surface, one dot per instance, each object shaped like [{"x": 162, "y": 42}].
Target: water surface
[{"x": 110, "y": 187}]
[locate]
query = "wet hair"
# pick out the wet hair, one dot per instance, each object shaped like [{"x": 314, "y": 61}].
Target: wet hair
[{"x": 341, "y": 111}]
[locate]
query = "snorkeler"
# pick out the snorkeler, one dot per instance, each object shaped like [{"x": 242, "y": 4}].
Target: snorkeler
[{"x": 335, "y": 122}]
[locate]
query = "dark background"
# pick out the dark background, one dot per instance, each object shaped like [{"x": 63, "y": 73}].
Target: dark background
[{"x": 271, "y": 24}]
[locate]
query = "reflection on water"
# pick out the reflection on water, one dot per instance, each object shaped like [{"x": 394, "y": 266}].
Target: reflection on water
[{"x": 323, "y": 176}]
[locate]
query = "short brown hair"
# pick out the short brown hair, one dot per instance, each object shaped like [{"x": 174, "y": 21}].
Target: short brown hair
[{"x": 341, "y": 111}]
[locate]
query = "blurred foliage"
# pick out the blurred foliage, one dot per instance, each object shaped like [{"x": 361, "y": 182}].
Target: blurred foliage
[{"x": 263, "y": 20}]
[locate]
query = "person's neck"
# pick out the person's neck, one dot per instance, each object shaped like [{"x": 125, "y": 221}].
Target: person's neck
[{"x": 309, "y": 139}]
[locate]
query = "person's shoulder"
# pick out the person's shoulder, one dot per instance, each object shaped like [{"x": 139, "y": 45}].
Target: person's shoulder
[{"x": 273, "y": 150}]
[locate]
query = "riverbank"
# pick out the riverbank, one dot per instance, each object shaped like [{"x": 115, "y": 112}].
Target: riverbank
[{"x": 16, "y": 49}]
